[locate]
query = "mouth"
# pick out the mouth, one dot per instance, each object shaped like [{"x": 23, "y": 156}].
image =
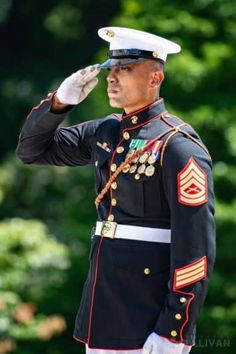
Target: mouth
[{"x": 112, "y": 91}]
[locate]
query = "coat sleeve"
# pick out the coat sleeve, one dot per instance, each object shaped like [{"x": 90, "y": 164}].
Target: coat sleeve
[
  {"x": 188, "y": 186},
  {"x": 41, "y": 142}
]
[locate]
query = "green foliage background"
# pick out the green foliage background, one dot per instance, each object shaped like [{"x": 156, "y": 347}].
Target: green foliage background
[{"x": 47, "y": 213}]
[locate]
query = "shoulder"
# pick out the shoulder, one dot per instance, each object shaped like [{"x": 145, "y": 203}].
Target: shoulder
[
  {"x": 96, "y": 124},
  {"x": 181, "y": 142}
]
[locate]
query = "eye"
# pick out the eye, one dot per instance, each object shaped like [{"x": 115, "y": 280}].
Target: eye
[{"x": 124, "y": 68}]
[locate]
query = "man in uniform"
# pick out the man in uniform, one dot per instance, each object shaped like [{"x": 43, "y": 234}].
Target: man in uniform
[{"x": 153, "y": 246}]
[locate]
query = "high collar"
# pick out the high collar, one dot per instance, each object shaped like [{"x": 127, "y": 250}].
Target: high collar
[{"x": 143, "y": 115}]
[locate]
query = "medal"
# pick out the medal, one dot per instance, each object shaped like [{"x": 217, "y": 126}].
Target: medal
[
  {"x": 133, "y": 168},
  {"x": 141, "y": 169},
  {"x": 149, "y": 170},
  {"x": 126, "y": 168},
  {"x": 143, "y": 158},
  {"x": 128, "y": 154},
  {"x": 152, "y": 158}
]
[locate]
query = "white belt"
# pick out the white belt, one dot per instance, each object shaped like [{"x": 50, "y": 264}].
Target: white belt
[{"x": 113, "y": 230}]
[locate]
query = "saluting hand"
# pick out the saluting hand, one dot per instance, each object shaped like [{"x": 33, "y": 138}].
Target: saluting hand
[{"x": 76, "y": 87}]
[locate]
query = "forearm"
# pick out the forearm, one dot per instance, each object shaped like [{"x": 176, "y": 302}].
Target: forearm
[
  {"x": 58, "y": 107},
  {"x": 38, "y": 131},
  {"x": 189, "y": 190},
  {"x": 41, "y": 142}
]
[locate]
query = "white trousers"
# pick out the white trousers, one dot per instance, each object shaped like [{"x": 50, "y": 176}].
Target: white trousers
[
  {"x": 107, "y": 351},
  {"x": 186, "y": 350}
]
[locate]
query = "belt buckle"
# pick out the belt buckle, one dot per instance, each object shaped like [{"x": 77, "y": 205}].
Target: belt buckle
[{"x": 109, "y": 229}]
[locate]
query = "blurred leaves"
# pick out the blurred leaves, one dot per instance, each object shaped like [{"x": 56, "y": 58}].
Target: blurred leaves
[
  {"x": 63, "y": 21},
  {"x": 5, "y": 7},
  {"x": 31, "y": 261}
]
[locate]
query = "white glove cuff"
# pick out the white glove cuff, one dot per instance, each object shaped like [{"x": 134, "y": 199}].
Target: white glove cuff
[{"x": 159, "y": 345}]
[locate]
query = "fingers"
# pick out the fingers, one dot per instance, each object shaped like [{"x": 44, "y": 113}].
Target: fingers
[
  {"x": 88, "y": 87},
  {"x": 91, "y": 84},
  {"x": 186, "y": 349},
  {"x": 76, "y": 87},
  {"x": 83, "y": 76},
  {"x": 148, "y": 345}
]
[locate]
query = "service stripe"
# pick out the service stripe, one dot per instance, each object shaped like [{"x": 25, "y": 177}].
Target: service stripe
[
  {"x": 190, "y": 274},
  {"x": 191, "y": 267},
  {"x": 193, "y": 279}
]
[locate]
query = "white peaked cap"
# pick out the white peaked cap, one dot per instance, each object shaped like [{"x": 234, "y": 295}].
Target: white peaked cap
[{"x": 121, "y": 38}]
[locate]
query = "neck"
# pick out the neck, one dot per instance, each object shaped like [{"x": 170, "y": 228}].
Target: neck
[{"x": 138, "y": 108}]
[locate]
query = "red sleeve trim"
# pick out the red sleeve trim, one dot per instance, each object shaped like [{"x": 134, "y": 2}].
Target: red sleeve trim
[{"x": 49, "y": 98}]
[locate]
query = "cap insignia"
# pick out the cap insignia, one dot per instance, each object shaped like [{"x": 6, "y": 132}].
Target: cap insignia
[{"x": 110, "y": 33}]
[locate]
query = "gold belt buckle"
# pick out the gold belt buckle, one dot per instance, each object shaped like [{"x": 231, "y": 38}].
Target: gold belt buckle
[{"x": 108, "y": 229}]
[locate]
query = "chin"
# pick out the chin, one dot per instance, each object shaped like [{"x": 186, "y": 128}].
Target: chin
[{"x": 115, "y": 104}]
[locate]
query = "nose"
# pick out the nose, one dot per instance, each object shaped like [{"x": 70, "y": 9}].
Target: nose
[{"x": 112, "y": 76}]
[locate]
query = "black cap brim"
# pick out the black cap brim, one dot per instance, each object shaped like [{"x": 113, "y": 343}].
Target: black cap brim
[{"x": 120, "y": 62}]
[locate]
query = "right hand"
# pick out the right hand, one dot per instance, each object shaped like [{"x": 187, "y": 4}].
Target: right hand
[
  {"x": 156, "y": 344},
  {"x": 76, "y": 87}
]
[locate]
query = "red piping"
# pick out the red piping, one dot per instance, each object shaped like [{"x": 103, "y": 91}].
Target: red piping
[
  {"x": 93, "y": 290},
  {"x": 187, "y": 308},
  {"x": 40, "y": 104},
  {"x": 141, "y": 109}
]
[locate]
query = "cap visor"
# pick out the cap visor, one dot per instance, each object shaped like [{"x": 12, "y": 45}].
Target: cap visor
[{"x": 120, "y": 62}]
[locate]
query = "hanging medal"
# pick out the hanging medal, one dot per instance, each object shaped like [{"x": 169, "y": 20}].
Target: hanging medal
[
  {"x": 141, "y": 169},
  {"x": 150, "y": 170},
  {"x": 143, "y": 158},
  {"x": 154, "y": 152},
  {"x": 126, "y": 168},
  {"x": 133, "y": 168}
]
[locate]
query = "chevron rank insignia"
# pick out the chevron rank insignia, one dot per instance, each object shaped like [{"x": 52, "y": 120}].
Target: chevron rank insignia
[
  {"x": 192, "y": 185},
  {"x": 190, "y": 274}
]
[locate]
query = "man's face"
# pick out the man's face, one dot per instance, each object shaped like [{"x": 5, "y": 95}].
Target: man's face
[{"x": 133, "y": 86}]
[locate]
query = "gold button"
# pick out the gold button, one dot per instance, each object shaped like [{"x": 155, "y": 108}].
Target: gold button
[
  {"x": 120, "y": 149},
  {"x": 178, "y": 316},
  {"x": 155, "y": 54},
  {"x": 110, "y": 217},
  {"x": 113, "y": 202},
  {"x": 147, "y": 271},
  {"x": 182, "y": 300},
  {"x": 114, "y": 185},
  {"x": 134, "y": 119},
  {"x": 126, "y": 135},
  {"x": 113, "y": 167},
  {"x": 173, "y": 333},
  {"x": 137, "y": 176}
]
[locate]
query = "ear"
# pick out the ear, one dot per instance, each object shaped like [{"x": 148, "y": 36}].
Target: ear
[{"x": 157, "y": 78}]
